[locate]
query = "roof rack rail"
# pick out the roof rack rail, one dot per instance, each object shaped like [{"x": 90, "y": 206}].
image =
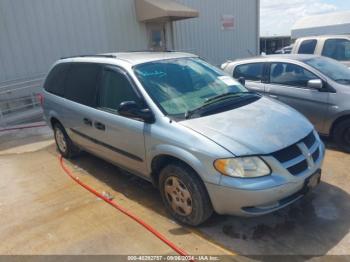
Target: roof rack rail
[
  {"x": 150, "y": 51},
  {"x": 106, "y": 56}
]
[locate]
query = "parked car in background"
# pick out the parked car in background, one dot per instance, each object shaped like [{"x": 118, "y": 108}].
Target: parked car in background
[
  {"x": 181, "y": 123},
  {"x": 336, "y": 47},
  {"x": 318, "y": 87},
  {"x": 285, "y": 50}
]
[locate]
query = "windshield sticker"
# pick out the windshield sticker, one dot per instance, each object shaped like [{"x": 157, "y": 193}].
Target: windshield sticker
[
  {"x": 152, "y": 74},
  {"x": 227, "y": 80}
]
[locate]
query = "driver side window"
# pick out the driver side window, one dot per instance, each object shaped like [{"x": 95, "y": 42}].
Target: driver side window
[
  {"x": 115, "y": 88},
  {"x": 290, "y": 75}
]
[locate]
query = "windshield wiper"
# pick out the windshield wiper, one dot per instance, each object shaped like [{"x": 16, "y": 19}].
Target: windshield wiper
[
  {"x": 343, "y": 80},
  {"x": 228, "y": 95},
  {"x": 189, "y": 113},
  {"x": 215, "y": 99}
]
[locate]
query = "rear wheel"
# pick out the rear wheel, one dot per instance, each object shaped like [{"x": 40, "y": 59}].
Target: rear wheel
[
  {"x": 342, "y": 135},
  {"x": 64, "y": 144},
  {"x": 184, "y": 194}
]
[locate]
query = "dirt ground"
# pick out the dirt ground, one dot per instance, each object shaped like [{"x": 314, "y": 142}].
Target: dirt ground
[{"x": 43, "y": 211}]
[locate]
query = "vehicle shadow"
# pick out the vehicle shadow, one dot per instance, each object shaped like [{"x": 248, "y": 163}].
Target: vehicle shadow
[{"x": 309, "y": 227}]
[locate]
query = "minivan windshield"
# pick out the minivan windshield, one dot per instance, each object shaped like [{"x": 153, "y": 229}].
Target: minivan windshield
[
  {"x": 182, "y": 85},
  {"x": 331, "y": 68}
]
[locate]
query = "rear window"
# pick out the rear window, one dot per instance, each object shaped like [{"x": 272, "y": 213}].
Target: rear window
[
  {"x": 307, "y": 47},
  {"x": 253, "y": 72},
  {"x": 81, "y": 83},
  {"x": 55, "y": 80}
]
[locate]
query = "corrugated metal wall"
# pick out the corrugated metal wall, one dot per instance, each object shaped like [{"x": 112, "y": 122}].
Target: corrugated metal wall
[
  {"x": 35, "y": 33},
  {"x": 204, "y": 35}
]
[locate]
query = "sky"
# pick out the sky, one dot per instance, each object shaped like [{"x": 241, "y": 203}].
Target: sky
[{"x": 278, "y": 16}]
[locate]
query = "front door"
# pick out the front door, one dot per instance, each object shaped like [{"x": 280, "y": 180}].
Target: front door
[
  {"x": 288, "y": 83},
  {"x": 253, "y": 74},
  {"x": 121, "y": 138}
]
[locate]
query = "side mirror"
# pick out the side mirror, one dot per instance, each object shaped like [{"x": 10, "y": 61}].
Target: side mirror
[
  {"x": 132, "y": 110},
  {"x": 241, "y": 80},
  {"x": 315, "y": 84}
]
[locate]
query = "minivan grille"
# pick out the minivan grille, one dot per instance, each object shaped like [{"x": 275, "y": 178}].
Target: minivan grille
[
  {"x": 300, "y": 156},
  {"x": 287, "y": 154},
  {"x": 316, "y": 155},
  {"x": 309, "y": 140},
  {"x": 298, "y": 168}
]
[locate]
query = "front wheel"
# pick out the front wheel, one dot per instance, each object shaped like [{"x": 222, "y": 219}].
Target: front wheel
[
  {"x": 184, "y": 194},
  {"x": 342, "y": 135}
]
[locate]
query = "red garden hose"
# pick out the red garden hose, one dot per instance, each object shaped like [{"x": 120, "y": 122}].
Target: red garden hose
[
  {"x": 126, "y": 212},
  {"x": 109, "y": 201}
]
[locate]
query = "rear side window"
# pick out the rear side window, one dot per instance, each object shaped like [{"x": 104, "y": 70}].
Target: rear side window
[
  {"x": 253, "y": 72},
  {"x": 55, "y": 80},
  {"x": 115, "y": 89},
  {"x": 307, "y": 46},
  {"x": 81, "y": 83}
]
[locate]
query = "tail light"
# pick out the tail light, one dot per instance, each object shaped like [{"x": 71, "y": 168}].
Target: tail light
[{"x": 41, "y": 99}]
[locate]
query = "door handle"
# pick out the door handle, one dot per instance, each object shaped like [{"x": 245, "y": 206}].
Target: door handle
[
  {"x": 273, "y": 96},
  {"x": 87, "y": 121},
  {"x": 100, "y": 126}
]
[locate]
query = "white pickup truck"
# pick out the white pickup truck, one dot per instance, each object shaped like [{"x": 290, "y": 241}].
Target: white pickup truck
[{"x": 336, "y": 47}]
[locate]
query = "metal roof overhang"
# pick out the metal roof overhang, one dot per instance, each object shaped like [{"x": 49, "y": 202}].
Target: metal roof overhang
[{"x": 162, "y": 10}]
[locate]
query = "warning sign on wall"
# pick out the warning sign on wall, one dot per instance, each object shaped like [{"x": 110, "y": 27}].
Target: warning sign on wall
[{"x": 227, "y": 22}]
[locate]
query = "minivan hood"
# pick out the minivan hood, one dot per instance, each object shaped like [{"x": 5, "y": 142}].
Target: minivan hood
[{"x": 262, "y": 127}]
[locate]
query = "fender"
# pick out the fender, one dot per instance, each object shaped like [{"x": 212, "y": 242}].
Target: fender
[
  {"x": 51, "y": 114},
  {"x": 329, "y": 124},
  {"x": 200, "y": 166}
]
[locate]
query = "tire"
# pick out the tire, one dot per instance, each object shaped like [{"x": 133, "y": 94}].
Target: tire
[
  {"x": 190, "y": 204},
  {"x": 64, "y": 144},
  {"x": 341, "y": 135}
]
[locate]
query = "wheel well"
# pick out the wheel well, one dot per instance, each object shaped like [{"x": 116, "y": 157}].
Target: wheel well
[
  {"x": 54, "y": 121},
  {"x": 161, "y": 161},
  {"x": 337, "y": 122}
]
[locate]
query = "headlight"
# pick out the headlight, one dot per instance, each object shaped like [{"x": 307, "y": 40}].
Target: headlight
[{"x": 243, "y": 167}]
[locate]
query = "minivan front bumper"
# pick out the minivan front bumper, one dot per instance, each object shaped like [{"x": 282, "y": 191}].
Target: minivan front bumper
[
  {"x": 253, "y": 197},
  {"x": 231, "y": 201}
]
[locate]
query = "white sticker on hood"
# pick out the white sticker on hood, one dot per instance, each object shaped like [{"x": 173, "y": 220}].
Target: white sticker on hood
[{"x": 228, "y": 80}]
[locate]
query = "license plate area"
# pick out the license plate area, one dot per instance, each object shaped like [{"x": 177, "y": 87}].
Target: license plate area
[{"x": 313, "y": 181}]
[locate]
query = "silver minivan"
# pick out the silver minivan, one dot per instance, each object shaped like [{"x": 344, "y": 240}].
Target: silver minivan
[
  {"x": 316, "y": 86},
  {"x": 187, "y": 127}
]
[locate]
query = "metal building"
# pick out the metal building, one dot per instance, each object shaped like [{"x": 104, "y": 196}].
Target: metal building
[
  {"x": 35, "y": 33},
  {"x": 337, "y": 23}
]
